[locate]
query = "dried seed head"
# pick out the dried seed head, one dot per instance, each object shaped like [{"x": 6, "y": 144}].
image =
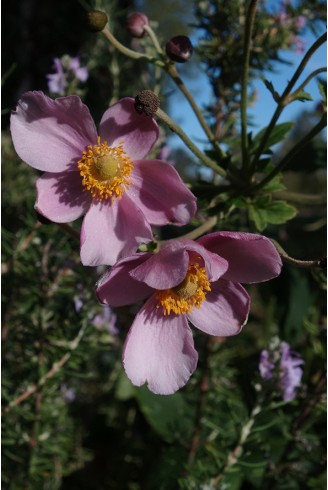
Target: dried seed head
[{"x": 146, "y": 102}]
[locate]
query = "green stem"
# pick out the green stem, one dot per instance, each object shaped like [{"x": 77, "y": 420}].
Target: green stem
[
  {"x": 172, "y": 71},
  {"x": 174, "y": 127},
  {"x": 247, "y": 48},
  {"x": 154, "y": 39},
  {"x": 123, "y": 49},
  {"x": 308, "y": 79},
  {"x": 299, "y": 198},
  {"x": 304, "y": 264},
  {"x": 282, "y": 101},
  {"x": 238, "y": 450},
  {"x": 290, "y": 155}
]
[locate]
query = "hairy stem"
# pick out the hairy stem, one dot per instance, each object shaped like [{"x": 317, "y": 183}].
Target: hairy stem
[
  {"x": 174, "y": 127},
  {"x": 172, "y": 71}
]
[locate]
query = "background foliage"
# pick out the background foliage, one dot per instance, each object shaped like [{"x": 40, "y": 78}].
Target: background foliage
[{"x": 71, "y": 419}]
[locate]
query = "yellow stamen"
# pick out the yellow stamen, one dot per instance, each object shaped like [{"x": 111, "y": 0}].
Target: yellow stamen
[
  {"x": 105, "y": 170},
  {"x": 187, "y": 295}
]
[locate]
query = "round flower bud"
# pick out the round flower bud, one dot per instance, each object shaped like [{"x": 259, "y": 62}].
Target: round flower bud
[
  {"x": 179, "y": 49},
  {"x": 96, "y": 20},
  {"x": 136, "y": 23},
  {"x": 146, "y": 102}
]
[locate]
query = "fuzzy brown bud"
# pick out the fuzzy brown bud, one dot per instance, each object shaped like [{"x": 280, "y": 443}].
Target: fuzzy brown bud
[
  {"x": 136, "y": 24},
  {"x": 96, "y": 20},
  {"x": 179, "y": 49},
  {"x": 146, "y": 102}
]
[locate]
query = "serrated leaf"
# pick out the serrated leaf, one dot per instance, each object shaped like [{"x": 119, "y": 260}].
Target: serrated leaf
[
  {"x": 279, "y": 212},
  {"x": 258, "y": 216},
  {"x": 264, "y": 212},
  {"x": 277, "y": 135}
]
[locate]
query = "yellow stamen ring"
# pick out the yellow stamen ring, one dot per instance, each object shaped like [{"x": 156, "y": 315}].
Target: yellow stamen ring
[
  {"x": 187, "y": 295},
  {"x": 105, "y": 170}
]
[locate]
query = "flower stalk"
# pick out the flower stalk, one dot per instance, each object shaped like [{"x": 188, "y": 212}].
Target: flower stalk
[{"x": 176, "y": 129}]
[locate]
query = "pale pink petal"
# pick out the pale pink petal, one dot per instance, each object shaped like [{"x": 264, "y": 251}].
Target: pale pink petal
[
  {"x": 118, "y": 288},
  {"x": 163, "y": 270},
  {"x": 122, "y": 124},
  {"x": 159, "y": 350},
  {"x": 169, "y": 266},
  {"x": 111, "y": 231},
  {"x": 60, "y": 197},
  {"x": 50, "y": 135},
  {"x": 252, "y": 258},
  {"x": 224, "y": 311},
  {"x": 161, "y": 194}
]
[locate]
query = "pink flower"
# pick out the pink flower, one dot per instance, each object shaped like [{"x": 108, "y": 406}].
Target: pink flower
[
  {"x": 103, "y": 177},
  {"x": 197, "y": 281}
]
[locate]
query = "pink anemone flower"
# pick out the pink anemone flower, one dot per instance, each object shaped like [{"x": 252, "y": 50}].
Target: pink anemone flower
[
  {"x": 103, "y": 177},
  {"x": 186, "y": 280}
]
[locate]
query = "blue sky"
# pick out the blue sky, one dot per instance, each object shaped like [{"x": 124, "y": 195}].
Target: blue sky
[{"x": 264, "y": 107}]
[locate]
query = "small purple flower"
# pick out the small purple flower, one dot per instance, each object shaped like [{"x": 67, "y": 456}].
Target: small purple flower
[
  {"x": 106, "y": 320},
  {"x": 66, "y": 70},
  {"x": 290, "y": 371},
  {"x": 81, "y": 72},
  {"x": 185, "y": 281},
  {"x": 69, "y": 394},
  {"x": 266, "y": 367},
  {"x": 300, "y": 22},
  {"x": 282, "y": 367},
  {"x": 57, "y": 82}
]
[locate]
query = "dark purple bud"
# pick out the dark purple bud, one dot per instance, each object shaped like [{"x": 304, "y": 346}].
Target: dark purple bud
[
  {"x": 96, "y": 20},
  {"x": 146, "y": 102},
  {"x": 179, "y": 49},
  {"x": 136, "y": 24}
]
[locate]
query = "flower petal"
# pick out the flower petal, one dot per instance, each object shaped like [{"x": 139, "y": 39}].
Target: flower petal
[
  {"x": 225, "y": 310},
  {"x": 50, "y": 135},
  {"x": 118, "y": 288},
  {"x": 159, "y": 350},
  {"x": 163, "y": 270},
  {"x": 60, "y": 197},
  {"x": 111, "y": 231},
  {"x": 122, "y": 124},
  {"x": 161, "y": 194},
  {"x": 169, "y": 266},
  {"x": 251, "y": 257}
]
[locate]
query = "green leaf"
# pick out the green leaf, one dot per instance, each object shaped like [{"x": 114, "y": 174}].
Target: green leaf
[
  {"x": 264, "y": 211},
  {"x": 301, "y": 95},
  {"x": 258, "y": 216},
  {"x": 277, "y": 135},
  {"x": 279, "y": 212},
  {"x": 169, "y": 415},
  {"x": 271, "y": 89}
]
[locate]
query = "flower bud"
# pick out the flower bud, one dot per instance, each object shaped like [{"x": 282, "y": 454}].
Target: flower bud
[
  {"x": 96, "y": 20},
  {"x": 136, "y": 23},
  {"x": 146, "y": 102},
  {"x": 179, "y": 49}
]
